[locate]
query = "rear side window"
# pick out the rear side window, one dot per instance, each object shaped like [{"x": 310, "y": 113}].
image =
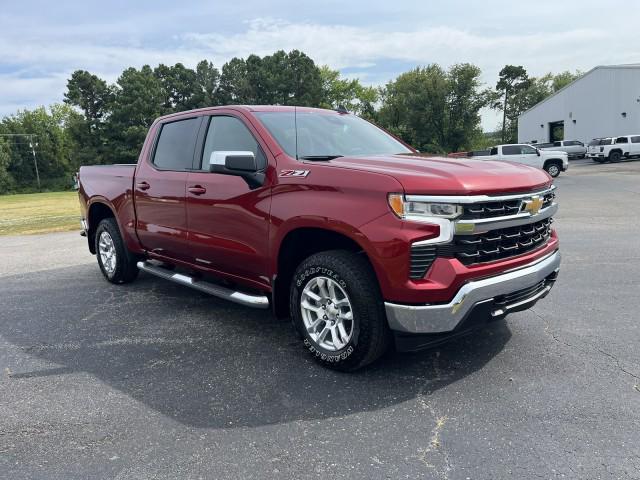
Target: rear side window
[
  {"x": 557, "y": 144},
  {"x": 635, "y": 139},
  {"x": 622, "y": 140},
  {"x": 230, "y": 134},
  {"x": 176, "y": 144},
  {"x": 511, "y": 150}
]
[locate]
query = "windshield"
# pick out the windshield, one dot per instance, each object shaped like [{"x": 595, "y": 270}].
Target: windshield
[{"x": 326, "y": 135}]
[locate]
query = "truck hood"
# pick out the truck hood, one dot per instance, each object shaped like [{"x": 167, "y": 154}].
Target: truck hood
[
  {"x": 554, "y": 152},
  {"x": 446, "y": 176}
]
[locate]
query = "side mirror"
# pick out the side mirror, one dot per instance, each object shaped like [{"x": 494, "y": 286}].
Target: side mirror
[
  {"x": 537, "y": 152},
  {"x": 238, "y": 163}
]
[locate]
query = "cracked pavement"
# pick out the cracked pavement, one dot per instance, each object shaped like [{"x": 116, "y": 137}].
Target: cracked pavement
[{"x": 153, "y": 380}]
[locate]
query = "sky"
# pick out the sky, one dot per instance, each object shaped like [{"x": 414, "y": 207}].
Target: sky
[{"x": 43, "y": 42}]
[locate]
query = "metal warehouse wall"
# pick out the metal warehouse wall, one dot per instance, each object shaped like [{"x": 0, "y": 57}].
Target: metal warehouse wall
[{"x": 590, "y": 107}]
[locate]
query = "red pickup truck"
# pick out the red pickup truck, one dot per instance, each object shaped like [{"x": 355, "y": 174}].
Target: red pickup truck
[{"x": 329, "y": 220}]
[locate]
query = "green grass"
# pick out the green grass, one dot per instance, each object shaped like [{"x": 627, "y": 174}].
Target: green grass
[{"x": 39, "y": 213}]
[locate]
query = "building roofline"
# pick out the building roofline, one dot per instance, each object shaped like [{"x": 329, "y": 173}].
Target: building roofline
[{"x": 589, "y": 72}]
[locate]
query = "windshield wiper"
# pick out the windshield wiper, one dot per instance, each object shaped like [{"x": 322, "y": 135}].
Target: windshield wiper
[{"x": 319, "y": 157}]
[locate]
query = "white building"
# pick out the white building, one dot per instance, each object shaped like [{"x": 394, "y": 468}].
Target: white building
[{"x": 604, "y": 102}]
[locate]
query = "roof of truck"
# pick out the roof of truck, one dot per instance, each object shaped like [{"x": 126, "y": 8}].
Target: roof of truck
[{"x": 255, "y": 108}]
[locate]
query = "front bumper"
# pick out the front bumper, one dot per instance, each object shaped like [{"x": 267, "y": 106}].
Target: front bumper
[{"x": 499, "y": 295}]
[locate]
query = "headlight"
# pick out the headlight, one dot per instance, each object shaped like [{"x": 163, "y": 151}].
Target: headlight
[{"x": 422, "y": 210}]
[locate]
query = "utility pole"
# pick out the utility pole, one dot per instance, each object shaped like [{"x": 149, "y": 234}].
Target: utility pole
[
  {"x": 35, "y": 162},
  {"x": 32, "y": 144}
]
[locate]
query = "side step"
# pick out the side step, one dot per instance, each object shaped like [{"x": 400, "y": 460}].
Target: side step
[{"x": 255, "y": 301}]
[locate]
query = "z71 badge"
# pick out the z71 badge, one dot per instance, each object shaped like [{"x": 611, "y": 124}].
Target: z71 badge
[{"x": 294, "y": 173}]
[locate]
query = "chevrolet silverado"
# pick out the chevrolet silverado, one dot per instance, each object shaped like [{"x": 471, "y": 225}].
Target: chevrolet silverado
[{"x": 328, "y": 220}]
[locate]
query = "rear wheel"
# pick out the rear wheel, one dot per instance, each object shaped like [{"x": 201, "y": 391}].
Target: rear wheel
[
  {"x": 553, "y": 169},
  {"x": 117, "y": 264},
  {"x": 615, "y": 157},
  {"x": 338, "y": 311}
]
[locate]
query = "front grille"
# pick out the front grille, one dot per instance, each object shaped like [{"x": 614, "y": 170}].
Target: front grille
[
  {"x": 474, "y": 211},
  {"x": 500, "y": 208},
  {"x": 498, "y": 244},
  {"x": 422, "y": 256}
]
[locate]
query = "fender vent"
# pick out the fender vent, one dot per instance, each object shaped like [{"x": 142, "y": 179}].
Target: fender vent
[{"x": 422, "y": 256}]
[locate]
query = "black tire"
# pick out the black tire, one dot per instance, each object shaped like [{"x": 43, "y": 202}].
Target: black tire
[
  {"x": 125, "y": 270},
  {"x": 553, "y": 168},
  {"x": 371, "y": 335},
  {"x": 615, "y": 157}
]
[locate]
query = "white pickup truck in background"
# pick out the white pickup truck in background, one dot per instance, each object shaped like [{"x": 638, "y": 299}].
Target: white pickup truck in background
[
  {"x": 552, "y": 161},
  {"x": 573, "y": 148},
  {"x": 626, "y": 146}
]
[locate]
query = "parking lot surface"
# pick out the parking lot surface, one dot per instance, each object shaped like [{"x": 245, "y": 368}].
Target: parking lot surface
[{"x": 153, "y": 380}]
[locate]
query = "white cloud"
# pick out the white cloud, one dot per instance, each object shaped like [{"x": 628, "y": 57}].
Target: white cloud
[{"x": 37, "y": 65}]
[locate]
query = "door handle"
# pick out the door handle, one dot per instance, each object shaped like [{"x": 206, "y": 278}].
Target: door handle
[
  {"x": 197, "y": 189},
  {"x": 143, "y": 186}
]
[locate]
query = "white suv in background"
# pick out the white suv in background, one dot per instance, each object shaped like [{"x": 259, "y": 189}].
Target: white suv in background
[{"x": 626, "y": 146}]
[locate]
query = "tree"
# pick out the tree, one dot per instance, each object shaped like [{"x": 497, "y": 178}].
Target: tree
[
  {"x": 349, "y": 93},
  {"x": 511, "y": 81},
  {"x": 89, "y": 93},
  {"x": 53, "y": 148},
  {"x": 563, "y": 79},
  {"x": 464, "y": 101},
  {"x": 206, "y": 84},
  {"x": 179, "y": 88},
  {"x": 93, "y": 97},
  {"x": 139, "y": 99},
  {"x": 435, "y": 110},
  {"x": 7, "y": 182}
]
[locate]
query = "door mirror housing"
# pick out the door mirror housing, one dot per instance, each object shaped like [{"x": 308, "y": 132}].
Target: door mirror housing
[
  {"x": 537, "y": 152},
  {"x": 238, "y": 163}
]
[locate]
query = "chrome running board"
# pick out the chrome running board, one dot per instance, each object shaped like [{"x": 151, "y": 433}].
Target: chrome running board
[{"x": 249, "y": 300}]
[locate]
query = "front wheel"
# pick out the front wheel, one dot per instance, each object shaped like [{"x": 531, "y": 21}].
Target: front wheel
[
  {"x": 117, "y": 264},
  {"x": 553, "y": 169},
  {"x": 615, "y": 157},
  {"x": 338, "y": 311}
]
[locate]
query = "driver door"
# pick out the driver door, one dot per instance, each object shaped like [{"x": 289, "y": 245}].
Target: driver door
[
  {"x": 228, "y": 222},
  {"x": 529, "y": 156}
]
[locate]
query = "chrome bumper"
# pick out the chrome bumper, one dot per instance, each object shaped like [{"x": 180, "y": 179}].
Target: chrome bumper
[{"x": 446, "y": 317}]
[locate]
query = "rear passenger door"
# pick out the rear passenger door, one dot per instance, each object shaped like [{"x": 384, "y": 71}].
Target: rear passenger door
[{"x": 161, "y": 219}]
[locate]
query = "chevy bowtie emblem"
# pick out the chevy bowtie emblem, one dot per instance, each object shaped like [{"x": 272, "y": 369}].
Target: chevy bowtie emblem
[{"x": 533, "y": 205}]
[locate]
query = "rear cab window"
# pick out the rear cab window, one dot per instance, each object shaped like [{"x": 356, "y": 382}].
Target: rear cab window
[
  {"x": 176, "y": 145},
  {"x": 511, "y": 150}
]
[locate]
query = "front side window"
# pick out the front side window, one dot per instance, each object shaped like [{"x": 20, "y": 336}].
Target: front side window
[
  {"x": 230, "y": 134},
  {"x": 527, "y": 150},
  {"x": 323, "y": 135},
  {"x": 494, "y": 151},
  {"x": 557, "y": 144},
  {"x": 176, "y": 144},
  {"x": 622, "y": 140}
]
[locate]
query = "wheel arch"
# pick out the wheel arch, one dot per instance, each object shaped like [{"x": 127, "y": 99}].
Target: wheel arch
[
  {"x": 300, "y": 242},
  {"x": 98, "y": 210}
]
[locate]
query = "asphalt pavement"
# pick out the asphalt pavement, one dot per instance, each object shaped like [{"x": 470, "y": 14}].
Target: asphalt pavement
[{"x": 154, "y": 380}]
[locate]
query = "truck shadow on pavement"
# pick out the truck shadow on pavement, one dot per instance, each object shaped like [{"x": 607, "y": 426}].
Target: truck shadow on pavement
[{"x": 202, "y": 361}]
